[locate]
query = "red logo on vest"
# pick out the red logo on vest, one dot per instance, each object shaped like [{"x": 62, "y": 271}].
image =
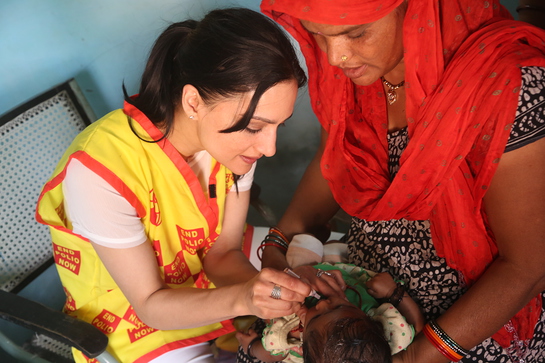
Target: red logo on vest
[
  {"x": 62, "y": 214},
  {"x": 67, "y": 258},
  {"x": 229, "y": 178},
  {"x": 70, "y": 303},
  {"x": 191, "y": 239},
  {"x": 154, "y": 214},
  {"x": 141, "y": 330},
  {"x": 177, "y": 272},
  {"x": 106, "y": 321},
  {"x": 131, "y": 317}
]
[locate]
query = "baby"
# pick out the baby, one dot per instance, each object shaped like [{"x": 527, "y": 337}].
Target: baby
[{"x": 336, "y": 330}]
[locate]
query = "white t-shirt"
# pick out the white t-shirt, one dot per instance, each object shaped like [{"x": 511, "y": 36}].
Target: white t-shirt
[{"x": 99, "y": 213}]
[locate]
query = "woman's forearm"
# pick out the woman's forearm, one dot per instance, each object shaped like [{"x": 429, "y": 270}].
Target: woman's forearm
[
  {"x": 182, "y": 308},
  {"x": 496, "y": 297},
  {"x": 229, "y": 268},
  {"x": 309, "y": 211},
  {"x": 502, "y": 291},
  {"x": 515, "y": 208},
  {"x": 274, "y": 257},
  {"x": 225, "y": 263},
  {"x": 192, "y": 307}
]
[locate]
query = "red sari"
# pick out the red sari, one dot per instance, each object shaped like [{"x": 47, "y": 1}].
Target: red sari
[{"x": 462, "y": 73}]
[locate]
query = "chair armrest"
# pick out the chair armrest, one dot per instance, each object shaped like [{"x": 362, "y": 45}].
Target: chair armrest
[{"x": 55, "y": 324}]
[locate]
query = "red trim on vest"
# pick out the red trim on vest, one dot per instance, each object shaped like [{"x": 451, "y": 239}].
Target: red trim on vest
[
  {"x": 208, "y": 208},
  {"x": 111, "y": 179},
  {"x": 104, "y": 173},
  {"x": 227, "y": 328},
  {"x": 52, "y": 184}
]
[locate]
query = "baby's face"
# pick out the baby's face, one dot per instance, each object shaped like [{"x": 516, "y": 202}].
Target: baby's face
[{"x": 329, "y": 310}]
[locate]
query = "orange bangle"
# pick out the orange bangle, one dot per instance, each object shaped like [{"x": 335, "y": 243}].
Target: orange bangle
[
  {"x": 440, "y": 344},
  {"x": 276, "y": 230}
]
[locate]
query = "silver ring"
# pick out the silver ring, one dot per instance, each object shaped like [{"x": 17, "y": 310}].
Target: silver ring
[
  {"x": 322, "y": 272},
  {"x": 276, "y": 292}
]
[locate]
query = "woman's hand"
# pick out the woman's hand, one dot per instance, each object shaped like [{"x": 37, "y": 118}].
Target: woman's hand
[
  {"x": 381, "y": 286},
  {"x": 290, "y": 293},
  {"x": 328, "y": 284}
]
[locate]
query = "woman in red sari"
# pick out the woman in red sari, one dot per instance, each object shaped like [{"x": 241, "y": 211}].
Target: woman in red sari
[{"x": 433, "y": 127}]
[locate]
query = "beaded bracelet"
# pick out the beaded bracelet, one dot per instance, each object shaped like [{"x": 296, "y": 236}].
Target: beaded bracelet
[
  {"x": 443, "y": 343},
  {"x": 397, "y": 295},
  {"x": 530, "y": 7}
]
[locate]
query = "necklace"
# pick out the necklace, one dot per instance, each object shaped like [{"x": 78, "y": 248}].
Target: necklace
[{"x": 392, "y": 95}]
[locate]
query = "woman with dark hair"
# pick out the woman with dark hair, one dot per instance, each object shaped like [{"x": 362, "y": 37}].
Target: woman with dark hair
[{"x": 148, "y": 205}]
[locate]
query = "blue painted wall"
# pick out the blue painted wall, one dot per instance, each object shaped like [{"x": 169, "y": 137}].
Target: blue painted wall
[
  {"x": 103, "y": 43},
  {"x": 100, "y": 42}
]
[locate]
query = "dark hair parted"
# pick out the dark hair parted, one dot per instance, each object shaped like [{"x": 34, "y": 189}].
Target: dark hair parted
[
  {"x": 347, "y": 340},
  {"x": 229, "y": 52}
]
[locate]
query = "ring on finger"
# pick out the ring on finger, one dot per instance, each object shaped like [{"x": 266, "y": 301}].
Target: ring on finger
[
  {"x": 276, "y": 292},
  {"x": 322, "y": 272}
]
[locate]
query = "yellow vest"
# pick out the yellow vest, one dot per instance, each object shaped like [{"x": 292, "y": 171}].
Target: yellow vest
[{"x": 181, "y": 221}]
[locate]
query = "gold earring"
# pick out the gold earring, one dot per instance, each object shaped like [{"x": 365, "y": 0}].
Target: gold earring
[{"x": 344, "y": 58}]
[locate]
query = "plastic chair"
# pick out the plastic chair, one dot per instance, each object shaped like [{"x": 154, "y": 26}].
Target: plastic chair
[{"x": 33, "y": 138}]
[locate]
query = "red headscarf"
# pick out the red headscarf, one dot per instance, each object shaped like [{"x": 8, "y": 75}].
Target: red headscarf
[{"x": 462, "y": 72}]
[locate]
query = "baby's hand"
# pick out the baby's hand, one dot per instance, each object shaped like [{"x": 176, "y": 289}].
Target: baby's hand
[
  {"x": 244, "y": 339},
  {"x": 381, "y": 286}
]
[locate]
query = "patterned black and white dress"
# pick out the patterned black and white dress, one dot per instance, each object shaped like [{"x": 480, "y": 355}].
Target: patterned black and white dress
[{"x": 405, "y": 248}]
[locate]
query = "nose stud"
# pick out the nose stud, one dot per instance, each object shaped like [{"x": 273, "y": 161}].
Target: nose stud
[{"x": 344, "y": 58}]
